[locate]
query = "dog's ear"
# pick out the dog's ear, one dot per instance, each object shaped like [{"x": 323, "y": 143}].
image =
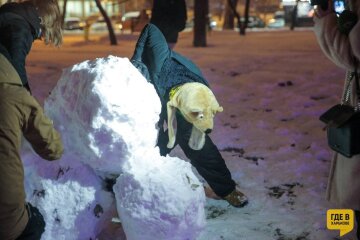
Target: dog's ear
[
  {"x": 219, "y": 109},
  {"x": 171, "y": 111},
  {"x": 197, "y": 139},
  {"x": 215, "y": 106}
]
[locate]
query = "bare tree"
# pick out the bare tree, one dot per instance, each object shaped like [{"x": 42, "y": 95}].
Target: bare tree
[
  {"x": 229, "y": 14},
  {"x": 244, "y": 25},
  {"x": 232, "y": 6},
  {"x": 294, "y": 13},
  {"x": 64, "y": 12},
  {"x": 112, "y": 36},
  {"x": 201, "y": 11}
]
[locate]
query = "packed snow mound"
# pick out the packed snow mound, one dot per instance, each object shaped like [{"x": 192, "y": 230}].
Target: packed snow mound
[
  {"x": 109, "y": 107},
  {"x": 106, "y": 113},
  {"x": 71, "y": 199},
  {"x": 160, "y": 199}
]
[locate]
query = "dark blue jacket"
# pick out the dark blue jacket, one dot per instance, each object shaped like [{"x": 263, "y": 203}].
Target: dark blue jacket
[
  {"x": 19, "y": 27},
  {"x": 160, "y": 65}
]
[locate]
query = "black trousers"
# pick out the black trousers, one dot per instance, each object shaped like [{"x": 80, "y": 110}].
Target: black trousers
[
  {"x": 36, "y": 225},
  {"x": 207, "y": 161},
  {"x": 357, "y": 217}
]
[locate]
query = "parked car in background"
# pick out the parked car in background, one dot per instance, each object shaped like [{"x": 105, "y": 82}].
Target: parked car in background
[
  {"x": 97, "y": 23},
  {"x": 73, "y": 23},
  {"x": 135, "y": 21},
  {"x": 278, "y": 21},
  {"x": 253, "y": 22},
  {"x": 116, "y": 22},
  {"x": 211, "y": 24}
]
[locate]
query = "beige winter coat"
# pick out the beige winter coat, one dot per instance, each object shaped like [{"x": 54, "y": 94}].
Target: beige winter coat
[
  {"x": 344, "y": 178},
  {"x": 20, "y": 114}
]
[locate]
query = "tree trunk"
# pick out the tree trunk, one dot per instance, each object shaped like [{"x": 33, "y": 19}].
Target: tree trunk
[
  {"x": 232, "y": 5},
  {"x": 244, "y": 25},
  {"x": 201, "y": 10},
  {"x": 229, "y": 14},
  {"x": 112, "y": 36},
  {"x": 64, "y": 12},
  {"x": 294, "y": 16}
]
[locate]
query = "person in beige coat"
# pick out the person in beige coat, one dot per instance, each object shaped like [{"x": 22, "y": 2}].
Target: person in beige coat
[
  {"x": 20, "y": 115},
  {"x": 344, "y": 179}
]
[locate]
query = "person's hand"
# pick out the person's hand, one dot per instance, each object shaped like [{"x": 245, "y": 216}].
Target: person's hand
[
  {"x": 162, "y": 141},
  {"x": 319, "y": 12}
]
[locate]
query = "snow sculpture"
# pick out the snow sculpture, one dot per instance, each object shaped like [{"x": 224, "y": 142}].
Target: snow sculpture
[
  {"x": 112, "y": 114},
  {"x": 106, "y": 113}
]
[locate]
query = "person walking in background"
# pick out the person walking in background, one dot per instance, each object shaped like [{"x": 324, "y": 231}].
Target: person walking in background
[
  {"x": 170, "y": 17},
  {"x": 166, "y": 69},
  {"x": 21, "y": 114},
  {"x": 344, "y": 50}
]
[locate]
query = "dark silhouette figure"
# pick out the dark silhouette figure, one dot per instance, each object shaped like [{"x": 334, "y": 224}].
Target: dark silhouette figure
[{"x": 170, "y": 17}]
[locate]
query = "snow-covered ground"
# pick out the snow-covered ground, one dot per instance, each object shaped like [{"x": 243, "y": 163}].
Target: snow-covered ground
[{"x": 273, "y": 87}]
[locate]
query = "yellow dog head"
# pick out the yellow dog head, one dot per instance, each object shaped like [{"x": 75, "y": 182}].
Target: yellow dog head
[{"x": 198, "y": 105}]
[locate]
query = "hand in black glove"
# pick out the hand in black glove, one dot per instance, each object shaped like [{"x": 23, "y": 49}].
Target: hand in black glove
[
  {"x": 35, "y": 226},
  {"x": 162, "y": 141}
]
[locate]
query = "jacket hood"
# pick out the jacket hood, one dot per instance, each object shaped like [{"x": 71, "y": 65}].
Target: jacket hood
[
  {"x": 26, "y": 10},
  {"x": 8, "y": 73}
]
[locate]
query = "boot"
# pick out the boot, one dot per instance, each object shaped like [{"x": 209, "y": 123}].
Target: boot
[{"x": 236, "y": 199}]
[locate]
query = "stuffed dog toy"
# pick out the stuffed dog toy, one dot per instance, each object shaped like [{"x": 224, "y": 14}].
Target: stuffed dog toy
[{"x": 198, "y": 105}]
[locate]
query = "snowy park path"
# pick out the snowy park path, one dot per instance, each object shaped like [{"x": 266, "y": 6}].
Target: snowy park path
[{"x": 273, "y": 87}]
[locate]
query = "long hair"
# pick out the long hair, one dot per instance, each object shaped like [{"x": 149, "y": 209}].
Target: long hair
[{"x": 51, "y": 20}]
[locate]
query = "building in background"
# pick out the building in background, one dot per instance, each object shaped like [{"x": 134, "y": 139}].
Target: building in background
[{"x": 83, "y": 8}]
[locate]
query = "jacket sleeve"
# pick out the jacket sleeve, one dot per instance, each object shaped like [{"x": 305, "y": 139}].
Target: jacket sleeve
[
  {"x": 338, "y": 47},
  {"x": 40, "y": 133}
]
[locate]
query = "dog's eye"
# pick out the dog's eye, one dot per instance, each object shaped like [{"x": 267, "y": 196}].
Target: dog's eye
[
  {"x": 197, "y": 115},
  {"x": 194, "y": 114}
]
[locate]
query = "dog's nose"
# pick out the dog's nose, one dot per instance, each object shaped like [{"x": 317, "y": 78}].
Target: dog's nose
[{"x": 208, "y": 131}]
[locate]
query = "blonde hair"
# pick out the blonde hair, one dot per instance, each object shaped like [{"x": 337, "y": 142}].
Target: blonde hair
[{"x": 51, "y": 20}]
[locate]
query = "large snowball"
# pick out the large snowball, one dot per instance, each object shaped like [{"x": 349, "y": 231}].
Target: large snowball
[
  {"x": 160, "y": 198},
  {"x": 71, "y": 199},
  {"x": 106, "y": 110}
]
